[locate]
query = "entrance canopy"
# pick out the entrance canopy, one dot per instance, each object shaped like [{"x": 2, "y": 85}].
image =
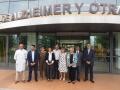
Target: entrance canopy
[{"x": 82, "y": 22}]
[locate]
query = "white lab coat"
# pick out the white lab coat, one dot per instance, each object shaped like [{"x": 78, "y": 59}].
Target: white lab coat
[{"x": 20, "y": 58}]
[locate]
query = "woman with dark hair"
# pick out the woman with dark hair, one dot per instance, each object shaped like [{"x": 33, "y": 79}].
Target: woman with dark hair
[{"x": 49, "y": 58}]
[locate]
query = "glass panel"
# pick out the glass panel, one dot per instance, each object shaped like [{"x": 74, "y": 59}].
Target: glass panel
[
  {"x": 2, "y": 49},
  {"x": 100, "y": 43},
  {"x": 116, "y": 53},
  {"x": 23, "y": 39},
  {"x": 12, "y": 46},
  {"x": 72, "y": 41},
  {"x": 46, "y": 40}
]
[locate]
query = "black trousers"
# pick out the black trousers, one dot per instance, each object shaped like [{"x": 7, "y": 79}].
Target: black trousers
[
  {"x": 88, "y": 68},
  {"x": 31, "y": 68},
  {"x": 72, "y": 73},
  {"x": 56, "y": 71},
  {"x": 78, "y": 70},
  {"x": 49, "y": 71}
]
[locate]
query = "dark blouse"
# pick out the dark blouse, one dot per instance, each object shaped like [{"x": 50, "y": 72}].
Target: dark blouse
[{"x": 71, "y": 58}]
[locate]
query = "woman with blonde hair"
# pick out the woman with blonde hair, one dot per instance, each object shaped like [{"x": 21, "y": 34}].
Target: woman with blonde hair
[{"x": 62, "y": 64}]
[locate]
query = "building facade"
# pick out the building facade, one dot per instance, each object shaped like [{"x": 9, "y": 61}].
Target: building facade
[{"x": 66, "y": 22}]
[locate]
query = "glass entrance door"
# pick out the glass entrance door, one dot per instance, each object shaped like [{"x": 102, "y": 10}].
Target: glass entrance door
[
  {"x": 73, "y": 41},
  {"x": 100, "y": 43}
]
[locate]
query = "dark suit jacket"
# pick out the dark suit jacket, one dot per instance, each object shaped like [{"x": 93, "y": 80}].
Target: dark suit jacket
[
  {"x": 36, "y": 57},
  {"x": 47, "y": 56},
  {"x": 89, "y": 57}
]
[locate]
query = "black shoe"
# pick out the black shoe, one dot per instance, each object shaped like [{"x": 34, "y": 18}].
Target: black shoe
[
  {"x": 28, "y": 80},
  {"x": 73, "y": 82},
  {"x": 85, "y": 80},
  {"x": 23, "y": 81},
  {"x": 69, "y": 81},
  {"x": 16, "y": 82},
  {"x": 78, "y": 80},
  {"x": 92, "y": 81},
  {"x": 36, "y": 80}
]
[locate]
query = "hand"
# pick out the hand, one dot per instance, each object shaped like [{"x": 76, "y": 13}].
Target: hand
[
  {"x": 27, "y": 64},
  {"x": 48, "y": 63},
  {"x": 51, "y": 63},
  {"x": 69, "y": 65},
  {"x": 73, "y": 64},
  {"x": 88, "y": 62},
  {"x": 31, "y": 64}
]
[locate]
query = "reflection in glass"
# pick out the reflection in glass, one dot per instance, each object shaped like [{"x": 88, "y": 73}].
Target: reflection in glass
[
  {"x": 116, "y": 52},
  {"x": 100, "y": 43},
  {"x": 2, "y": 49},
  {"x": 13, "y": 45}
]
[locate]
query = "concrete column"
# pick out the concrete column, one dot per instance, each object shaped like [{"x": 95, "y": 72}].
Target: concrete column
[
  {"x": 7, "y": 62},
  {"x": 31, "y": 39}
]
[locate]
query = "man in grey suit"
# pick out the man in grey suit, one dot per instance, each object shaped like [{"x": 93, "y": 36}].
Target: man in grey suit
[
  {"x": 88, "y": 57},
  {"x": 79, "y": 59}
]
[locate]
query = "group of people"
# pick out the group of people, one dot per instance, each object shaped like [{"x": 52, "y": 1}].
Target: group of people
[{"x": 54, "y": 63}]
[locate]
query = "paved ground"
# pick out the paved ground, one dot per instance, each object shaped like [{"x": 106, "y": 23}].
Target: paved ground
[{"x": 102, "y": 82}]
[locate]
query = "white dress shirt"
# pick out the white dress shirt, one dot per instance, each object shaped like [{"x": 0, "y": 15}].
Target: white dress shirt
[
  {"x": 88, "y": 51},
  {"x": 77, "y": 52},
  {"x": 57, "y": 54},
  {"x": 33, "y": 55},
  {"x": 50, "y": 56}
]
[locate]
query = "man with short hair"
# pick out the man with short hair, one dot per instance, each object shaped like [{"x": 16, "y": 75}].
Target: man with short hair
[
  {"x": 88, "y": 57},
  {"x": 33, "y": 58},
  {"x": 20, "y": 58},
  {"x": 57, "y": 54}
]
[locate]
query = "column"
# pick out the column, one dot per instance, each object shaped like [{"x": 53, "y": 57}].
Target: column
[{"x": 31, "y": 39}]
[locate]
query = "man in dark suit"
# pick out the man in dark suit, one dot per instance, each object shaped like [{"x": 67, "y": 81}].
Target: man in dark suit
[
  {"x": 88, "y": 57},
  {"x": 33, "y": 58},
  {"x": 79, "y": 59}
]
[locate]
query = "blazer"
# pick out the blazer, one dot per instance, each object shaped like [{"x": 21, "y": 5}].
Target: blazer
[
  {"x": 89, "y": 57},
  {"x": 74, "y": 59},
  {"x": 36, "y": 57},
  {"x": 47, "y": 57}
]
